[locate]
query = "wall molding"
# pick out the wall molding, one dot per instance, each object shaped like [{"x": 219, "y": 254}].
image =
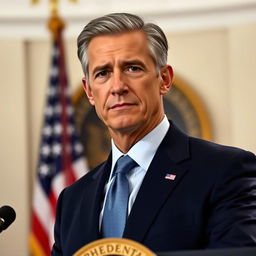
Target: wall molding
[{"x": 29, "y": 22}]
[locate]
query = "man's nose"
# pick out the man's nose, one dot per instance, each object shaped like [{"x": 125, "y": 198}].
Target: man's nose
[{"x": 118, "y": 84}]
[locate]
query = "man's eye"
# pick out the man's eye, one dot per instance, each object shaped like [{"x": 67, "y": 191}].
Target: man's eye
[
  {"x": 133, "y": 68},
  {"x": 102, "y": 73}
]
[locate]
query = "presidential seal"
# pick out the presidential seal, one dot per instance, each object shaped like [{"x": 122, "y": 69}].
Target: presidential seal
[{"x": 114, "y": 246}]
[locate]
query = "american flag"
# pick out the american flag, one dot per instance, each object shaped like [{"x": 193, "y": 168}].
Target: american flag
[
  {"x": 169, "y": 176},
  {"x": 61, "y": 158}
]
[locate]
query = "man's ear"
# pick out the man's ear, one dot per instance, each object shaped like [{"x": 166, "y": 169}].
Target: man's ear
[
  {"x": 88, "y": 91},
  {"x": 166, "y": 74}
]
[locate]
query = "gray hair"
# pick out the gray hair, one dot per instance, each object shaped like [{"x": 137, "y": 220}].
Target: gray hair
[{"x": 118, "y": 23}]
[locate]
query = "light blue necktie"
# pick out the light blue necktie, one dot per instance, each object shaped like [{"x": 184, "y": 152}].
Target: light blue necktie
[{"x": 115, "y": 211}]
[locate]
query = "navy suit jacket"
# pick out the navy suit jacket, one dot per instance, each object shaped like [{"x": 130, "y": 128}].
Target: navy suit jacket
[{"x": 211, "y": 203}]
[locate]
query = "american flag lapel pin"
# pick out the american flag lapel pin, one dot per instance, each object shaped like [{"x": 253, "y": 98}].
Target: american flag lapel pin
[{"x": 170, "y": 176}]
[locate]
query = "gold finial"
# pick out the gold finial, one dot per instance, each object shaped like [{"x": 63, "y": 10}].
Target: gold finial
[{"x": 55, "y": 24}]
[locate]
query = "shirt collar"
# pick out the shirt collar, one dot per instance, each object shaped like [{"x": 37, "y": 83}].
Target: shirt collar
[{"x": 144, "y": 150}]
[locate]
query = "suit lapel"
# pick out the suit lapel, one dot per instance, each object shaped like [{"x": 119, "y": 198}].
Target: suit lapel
[
  {"x": 155, "y": 188},
  {"x": 93, "y": 197}
]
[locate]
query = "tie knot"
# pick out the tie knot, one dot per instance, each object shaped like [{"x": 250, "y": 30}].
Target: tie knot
[{"x": 124, "y": 164}]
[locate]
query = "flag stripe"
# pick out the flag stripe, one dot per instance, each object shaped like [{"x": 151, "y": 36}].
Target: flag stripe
[
  {"x": 53, "y": 200},
  {"x": 41, "y": 207}
]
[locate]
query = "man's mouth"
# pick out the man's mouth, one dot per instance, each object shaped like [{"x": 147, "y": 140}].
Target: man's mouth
[{"x": 120, "y": 106}]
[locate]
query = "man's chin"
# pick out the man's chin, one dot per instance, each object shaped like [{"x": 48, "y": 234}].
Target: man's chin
[{"x": 123, "y": 127}]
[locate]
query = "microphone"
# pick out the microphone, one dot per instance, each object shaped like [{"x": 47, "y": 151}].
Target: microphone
[{"x": 7, "y": 217}]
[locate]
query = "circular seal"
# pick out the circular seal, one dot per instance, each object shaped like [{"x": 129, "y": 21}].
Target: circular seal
[{"x": 114, "y": 246}]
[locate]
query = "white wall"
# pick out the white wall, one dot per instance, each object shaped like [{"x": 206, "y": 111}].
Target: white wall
[
  {"x": 242, "y": 85},
  {"x": 14, "y": 153}
]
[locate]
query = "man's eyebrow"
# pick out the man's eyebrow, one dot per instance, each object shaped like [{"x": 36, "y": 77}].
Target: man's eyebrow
[
  {"x": 133, "y": 62},
  {"x": 100, "y": 68}
]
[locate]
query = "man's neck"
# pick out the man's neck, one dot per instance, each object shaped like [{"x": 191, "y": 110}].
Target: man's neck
[{"x": 125, "y": 139}]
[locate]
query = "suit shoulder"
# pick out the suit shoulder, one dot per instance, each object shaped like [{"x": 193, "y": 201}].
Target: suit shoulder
[
  {"x": 211, "y": 150},
  {"x": 215, "y": 147}
]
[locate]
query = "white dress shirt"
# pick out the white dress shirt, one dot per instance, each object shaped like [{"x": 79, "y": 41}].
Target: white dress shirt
[{"x": 142, "y": 153}]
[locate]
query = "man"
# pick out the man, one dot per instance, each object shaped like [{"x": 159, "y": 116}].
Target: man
[{"x": 184, "y": 193}]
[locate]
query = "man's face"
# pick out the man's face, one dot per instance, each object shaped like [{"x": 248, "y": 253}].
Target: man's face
[{"x": 124, "y": 85}]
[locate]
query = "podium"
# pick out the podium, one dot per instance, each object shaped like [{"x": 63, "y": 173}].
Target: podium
[{"x": 126, "y": 247}]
